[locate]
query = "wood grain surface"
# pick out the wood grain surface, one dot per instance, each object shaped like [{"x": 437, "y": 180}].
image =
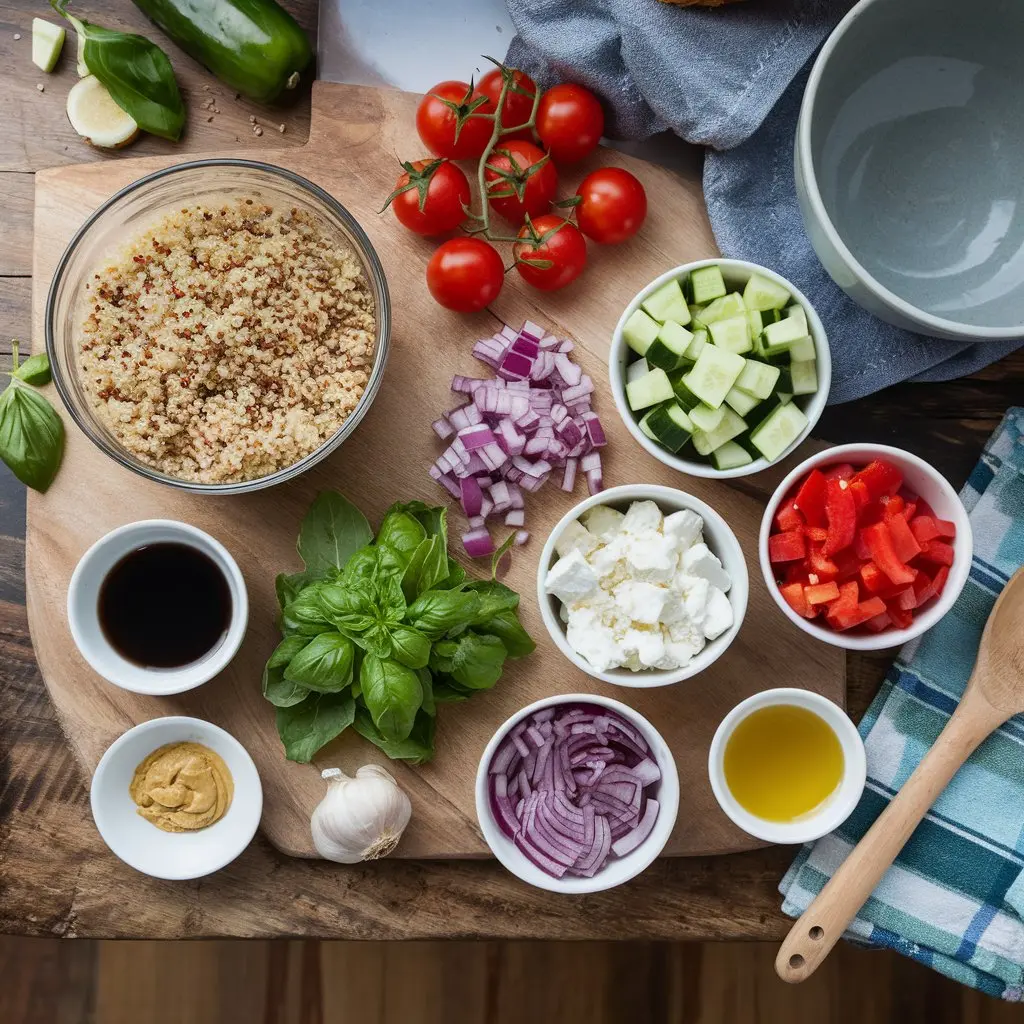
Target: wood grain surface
[{"x": 56, "y": 877}]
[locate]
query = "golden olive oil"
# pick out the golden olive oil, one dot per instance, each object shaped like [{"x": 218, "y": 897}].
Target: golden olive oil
[{"x": 782, "y": 762}]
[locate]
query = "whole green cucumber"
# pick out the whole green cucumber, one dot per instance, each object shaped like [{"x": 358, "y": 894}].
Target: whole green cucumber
[{"x": 253, "y": 46}]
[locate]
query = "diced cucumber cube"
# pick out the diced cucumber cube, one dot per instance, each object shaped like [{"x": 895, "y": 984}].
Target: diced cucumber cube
[
  {"x": 669, "y": 425},
  {"x": 783, "y": 334},
  {"x": 805, "y": 377},
  {"x": 636, "y": 369},
  {"x": 802, "y": 349},
  {"x": 695, "y": 311},
  {"x": 667, "y": 303},
  {"x": 722, "y": 309},
  {"x": 650, "y": 389},
  {"x": 758, "y": 379},
  {"x": 733, "y": 334},
  {"x": 730, "y": 427},
  {"x": 760, "y": 293},
  {"x": 771, "y": 316},
  {"x": 639, "y": 331},
  {"x": 797, "y": 313},
  {"x": 778, "y": 430},
  {"x": 645, "y": 426},
  {"x": 696, "y": 346},
  {"x": 47, "y": 42},
  {"x": 705, "y": 418},
  {"x": 706, "y": 283},
  {"x": 755, "y": 321},
  {"x": 684, "y": 396},
  {"x": 741, "y": 402},
  {"x": 713, "y": 374},
  {"x": 668, "y": 348},
  {"x": 731, "y": 456}
]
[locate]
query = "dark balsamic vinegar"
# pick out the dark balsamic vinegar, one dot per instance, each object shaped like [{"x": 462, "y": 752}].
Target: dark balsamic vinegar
[{"x": 165, "y": 605}]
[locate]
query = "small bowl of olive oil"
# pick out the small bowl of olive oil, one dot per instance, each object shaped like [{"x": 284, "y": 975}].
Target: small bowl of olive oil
[{"x": 787, "y": 766}]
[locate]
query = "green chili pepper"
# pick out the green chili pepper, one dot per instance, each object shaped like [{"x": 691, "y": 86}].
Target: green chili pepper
[{"x": 252, "y": 46}]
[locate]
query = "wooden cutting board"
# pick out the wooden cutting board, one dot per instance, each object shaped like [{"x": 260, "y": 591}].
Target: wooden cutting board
[{"x": 356, "y": 138}]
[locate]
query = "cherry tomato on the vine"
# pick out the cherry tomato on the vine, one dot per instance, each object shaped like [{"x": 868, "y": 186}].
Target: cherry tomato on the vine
[
  {"x": 430, "y": 197},
  {"x": 552, "y": 254},
  {"x": 612, "y": 206},
  {"x": 518, "y": 103},
  {"x": 465, "y": 274},
  {"x": 448, "y": 122},
  {"x": 570, "y": 122},
  {"x": 521, "y": 180}
]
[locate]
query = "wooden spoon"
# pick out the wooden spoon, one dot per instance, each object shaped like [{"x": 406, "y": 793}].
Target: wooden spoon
[{"x": 994, "y": 693}]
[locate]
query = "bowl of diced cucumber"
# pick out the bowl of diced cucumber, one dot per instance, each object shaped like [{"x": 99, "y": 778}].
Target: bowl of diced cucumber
[{"x": 720, "y": 368}]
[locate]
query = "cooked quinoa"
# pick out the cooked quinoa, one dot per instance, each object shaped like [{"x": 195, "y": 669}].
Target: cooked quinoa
[{"x": 228, "y": 341}]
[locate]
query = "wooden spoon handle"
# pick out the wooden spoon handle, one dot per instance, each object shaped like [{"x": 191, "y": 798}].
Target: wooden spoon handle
[{"x": 822, "y": 924}]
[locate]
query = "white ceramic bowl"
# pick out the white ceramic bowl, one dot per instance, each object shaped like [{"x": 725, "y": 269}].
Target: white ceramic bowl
[
  {"x": 720, "y": 539},
  {"x": 173, "y": 855},
  {"x": 618, "y": 869},
  {"x": 736, "y": 273},
  {"x": 919, "y": 478},
  {"x": 834, "y": 811},
  {"x": 904, "y": 220},
  {"x": 83, "y": 608}
]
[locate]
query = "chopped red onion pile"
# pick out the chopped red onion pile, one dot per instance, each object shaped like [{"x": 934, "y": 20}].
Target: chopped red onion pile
[
  {"x": 572, "y": 786},
  {"x": 516, "y": 430}
]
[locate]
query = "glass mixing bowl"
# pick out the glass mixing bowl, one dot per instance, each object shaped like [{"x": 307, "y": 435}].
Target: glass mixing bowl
[{"x": 138, "y": 207}]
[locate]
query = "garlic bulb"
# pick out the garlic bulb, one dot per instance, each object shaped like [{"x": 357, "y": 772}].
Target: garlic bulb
[{"x": 361, "y": 817}]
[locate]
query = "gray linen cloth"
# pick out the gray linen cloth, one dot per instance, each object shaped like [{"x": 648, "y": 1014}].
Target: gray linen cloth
[{"x": 732, "y": 79}]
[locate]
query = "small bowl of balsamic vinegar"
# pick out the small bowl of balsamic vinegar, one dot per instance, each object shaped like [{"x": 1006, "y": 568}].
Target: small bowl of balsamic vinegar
[
  {"x": 787, "y": 765},
  {"x": 157, "y": 607}
]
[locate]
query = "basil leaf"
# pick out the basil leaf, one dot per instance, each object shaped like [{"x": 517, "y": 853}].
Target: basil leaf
[
  {"x": 282, "y": 693},
  {"x": 306, "y": 727},
  {"x": 456, "y": 576},
  {"x": 442, "y": 655},
  {"x": 409, "y": 646},
  {"x": 476, "y": 660},
  {"x": 392, "y": 694},
  {"x": 447, "y": 692},
  {"x": 417, "y": 747},
  {"x": 305, "y": 614},
  {"x": 333, "y": 530},
  {"x": 427, "y": 568},
  {"x": 509, "y": 630},
  {"x": 390, "y": 599},
  {"x": 35, "y": 370},
  {"x": 288, "y": 587},
  {"x": 427, "y": 682},
  {"x": 324, "y": 664},
  {"x": 376, "y": 641},
  {"x": 433, "y": 518},
  {"x": 402, "y": 533},
  {"x": 502, "y": 554},
  {"x": 31, "y": 436},
  {"x": 437, "y": 611},
  {"x": 286, "y": 650},
  {"x": 136, "y": 73},
  {"x": 494, "y": 597},
  {"x": 349, "y": 606}
]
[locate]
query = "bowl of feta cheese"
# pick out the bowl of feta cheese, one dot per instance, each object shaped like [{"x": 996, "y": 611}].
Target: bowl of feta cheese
[{"x": 642, "y": 585}]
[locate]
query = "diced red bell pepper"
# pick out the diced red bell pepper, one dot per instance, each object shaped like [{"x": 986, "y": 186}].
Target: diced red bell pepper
[
  {"x": 924, "y": 529},
  {"x": 820, "y": 564},
  {"x": 847, "y": 564},
  {"x": 816, "y": 534},
  {"x": 849, "y": 594},
  {"x": 900, "y": 619},
  {"x": 787, "y": 547},
  {"x": 861, "y": 495},
  {"x": 875, "y": 581},
  {"x": 847, "y": 618},
  {"x": 939, "y": 583},
  {"x": 907, "y": 599},
  {"x": 879, "y": 542},
  {"x": 903, "y": 541},
  {"x": 821, "y": 593},
  {"x": 946, "y": 527},
  {"x": 880, "y": 477},
  {"x": 789, "y": 518},
  {"x": 924, "y": 588},
  {"x": 841, "y": 511},
  {"x": 892, "y": 506},
  {"x": 810, "y": 498},
  {"x": 937, "y": 552},
  {"x": 910, "y": 510},
  {"x": 794, "y": 595},
  {"x": 840, "y": 471},
  {"x": 860, "y": 547},
  {"x": 796, "y": 572},
  {"x": 924, "y": 509},
  {"x": 878, "y": 623}
]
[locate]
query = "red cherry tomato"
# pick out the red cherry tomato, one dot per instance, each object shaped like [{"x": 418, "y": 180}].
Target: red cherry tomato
[
  {"x": 465, "y": 274},
  {"x": 570, "y": 122},
  {"x": 429, "y": 198},
  {"x": 612, "y": 206},
  {"x": 554, "y": 255},
  {"x": 446, "y": 125},
  {"x": 521, "y": 180},
  {"x": 518, "y": 105}
]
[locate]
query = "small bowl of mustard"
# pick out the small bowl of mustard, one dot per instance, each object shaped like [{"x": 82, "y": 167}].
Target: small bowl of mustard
[{"x": 176, "y": 798}]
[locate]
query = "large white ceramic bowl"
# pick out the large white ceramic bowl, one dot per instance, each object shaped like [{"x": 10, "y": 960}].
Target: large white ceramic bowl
[
  {"x": 618, "y": 869},
  {"x": 173, "y": 855},
  {"x": 921, "y": 479},
  {"x": 908, "y": 154},
  {"x": 736, "y": 273},
  {"x": 720, "y": 539}
]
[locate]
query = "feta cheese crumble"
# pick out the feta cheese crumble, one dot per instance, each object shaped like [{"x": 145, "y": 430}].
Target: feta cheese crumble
[{"x": 639, "y": 590}]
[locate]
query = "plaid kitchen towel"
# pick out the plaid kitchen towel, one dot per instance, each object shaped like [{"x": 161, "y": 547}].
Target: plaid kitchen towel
[{"x": 954, "y": 899}]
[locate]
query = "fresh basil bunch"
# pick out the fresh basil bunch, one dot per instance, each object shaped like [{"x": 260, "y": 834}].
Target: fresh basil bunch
[
  {"x": 31, "y": 432},
  {"x": 378, "y": 632}
]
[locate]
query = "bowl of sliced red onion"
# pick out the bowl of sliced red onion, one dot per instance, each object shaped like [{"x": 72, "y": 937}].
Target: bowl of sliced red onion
[{"x": 577, "y": 793}]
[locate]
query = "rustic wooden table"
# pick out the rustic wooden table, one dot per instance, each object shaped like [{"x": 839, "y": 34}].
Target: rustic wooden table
[{"x": 56, "y": 876}]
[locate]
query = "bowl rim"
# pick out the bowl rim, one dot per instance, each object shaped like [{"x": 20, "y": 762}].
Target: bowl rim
[
  {"x": 803, "y": 144},
  {"x": 254, "y": 810},
  {"x": 815, "y": 407},
  {"x": 368, "y": 257},
  {"x": 838, "y": 806},
  {"x": 516, "y": 863},
  {"x": 958, "y": 574},
  {"x": 739, "y": 592}
]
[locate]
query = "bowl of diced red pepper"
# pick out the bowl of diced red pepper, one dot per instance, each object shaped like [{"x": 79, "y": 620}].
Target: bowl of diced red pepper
[{"x": 865, "y": 546}]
